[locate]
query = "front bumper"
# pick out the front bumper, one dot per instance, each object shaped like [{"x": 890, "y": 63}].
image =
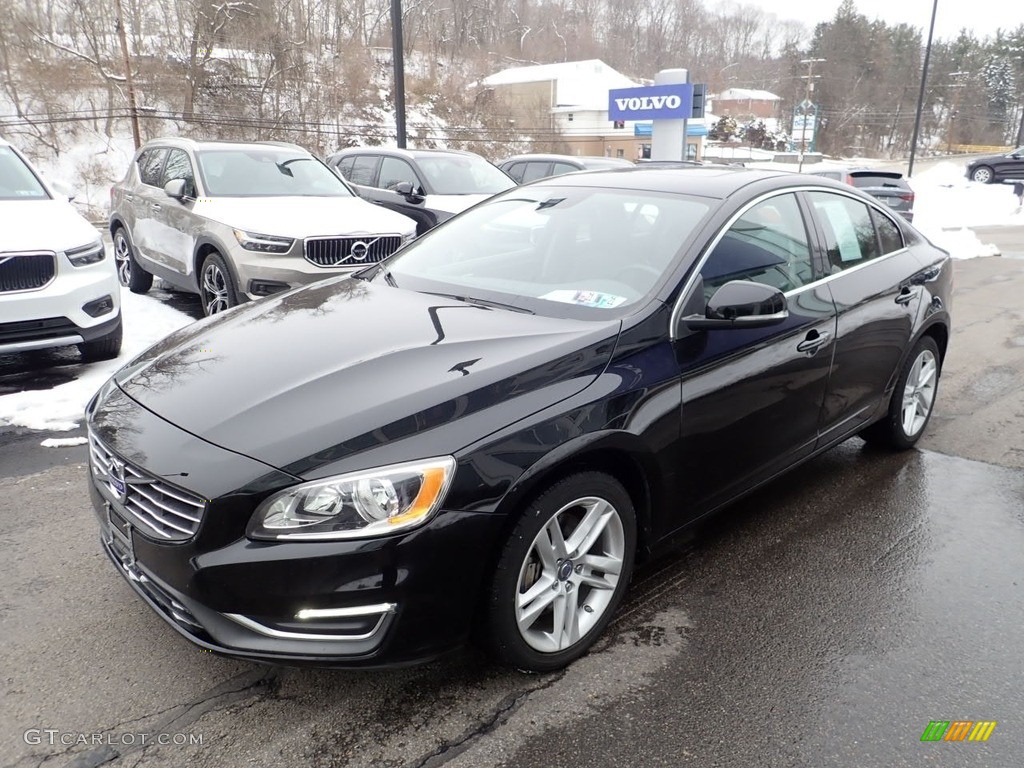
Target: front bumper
[
  {"x": 372, "y": 602},
  {"x": 55, "y": 315}
]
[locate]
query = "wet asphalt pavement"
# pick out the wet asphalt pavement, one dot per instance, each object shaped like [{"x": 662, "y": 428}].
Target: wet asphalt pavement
[{"x": 824, "y": 621}]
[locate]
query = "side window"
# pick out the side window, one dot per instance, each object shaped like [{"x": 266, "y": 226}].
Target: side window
[
  {"x": 557, "y": 169},
  {"x": 536, "y": 170},
  {"x": 767, "y": 244},
  {"x": 516, "y": 171},
  {"x": 850, "y": 236},
  {"x": 364, "y": 170},
  {"x": 345, "y": 167},
  {"x": 180, "y": 167},
  {"x": 394, "y": 170},
  {"x": 151, "y": 162},
  {"x": 888, "y": 233}
]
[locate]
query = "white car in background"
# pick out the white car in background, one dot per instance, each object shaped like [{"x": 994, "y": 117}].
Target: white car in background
[{"x": 57, "y": 285}]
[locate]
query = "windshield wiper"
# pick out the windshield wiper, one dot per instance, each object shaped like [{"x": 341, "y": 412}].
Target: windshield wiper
[{"x": 485, "y": 303}]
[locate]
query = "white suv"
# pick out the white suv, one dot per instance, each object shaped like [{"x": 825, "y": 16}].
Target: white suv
[
  {"x": 236, "y": 221},
  {"x": 57, "y": 285}
]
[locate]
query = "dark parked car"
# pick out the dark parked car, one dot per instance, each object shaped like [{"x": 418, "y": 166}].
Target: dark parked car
[
  {"x": 427, "y": 185},
  {"x": 888, "y": 186},
  {"x": 491, "y": 427},
  {"x": 527, "y": 168},
  {"x": 1008, "y": 167}
]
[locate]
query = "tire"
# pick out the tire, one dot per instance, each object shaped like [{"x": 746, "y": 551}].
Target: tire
[
  {"x": 129, "y": 273},
  {"x": 571, "y": 599},
  {"x": 913, "y": 400},
  {"x": 983, "y": 174},
  {"x": 104, "y": 348},
  {"x": 216, "y": 287}
]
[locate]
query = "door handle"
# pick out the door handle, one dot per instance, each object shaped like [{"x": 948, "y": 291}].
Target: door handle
[
  {"x": 813, "y": 342},
  {"x": 905, "y": 296}
]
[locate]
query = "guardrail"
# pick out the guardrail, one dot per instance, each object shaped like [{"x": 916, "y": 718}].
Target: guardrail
[{"x": 974, "y": 149}]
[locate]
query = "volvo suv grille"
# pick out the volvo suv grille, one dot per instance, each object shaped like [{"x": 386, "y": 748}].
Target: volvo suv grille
[
  {"x": 161, "y": 511},
  {"x": 350, "y": 251},
  {"x": 26, "y": 271}
]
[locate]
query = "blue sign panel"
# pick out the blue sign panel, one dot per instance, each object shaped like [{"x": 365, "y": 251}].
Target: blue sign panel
[{"x": 655, "y": 102}]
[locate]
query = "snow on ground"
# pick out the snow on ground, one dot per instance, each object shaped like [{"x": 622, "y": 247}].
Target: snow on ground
[
  {"x": 63, "y": 442},
  {"x": 146, "y": 321}
]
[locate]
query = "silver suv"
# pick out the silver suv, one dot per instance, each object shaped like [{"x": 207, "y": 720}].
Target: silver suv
[{"x": 236, "y": 221}]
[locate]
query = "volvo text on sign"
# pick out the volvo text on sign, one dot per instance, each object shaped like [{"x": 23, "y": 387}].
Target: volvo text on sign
[{"x": 658, "y": 102}]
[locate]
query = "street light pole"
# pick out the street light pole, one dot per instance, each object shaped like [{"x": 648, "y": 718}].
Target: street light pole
[
  {"x": 920, "y": 96},
  {"x": 805, "y": 106}
]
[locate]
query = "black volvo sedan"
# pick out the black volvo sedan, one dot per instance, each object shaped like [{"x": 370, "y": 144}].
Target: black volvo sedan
[{"x": 482, "y": 435}]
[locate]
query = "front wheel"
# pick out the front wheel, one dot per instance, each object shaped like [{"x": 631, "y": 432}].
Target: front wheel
[
  {"x": 982, "y": 174},
  {"x": 912, "y": 400},
  {"x": 216, "y": 288},
  {"x": 562, "y": 573},
  {"x": 104, "y": 348}
]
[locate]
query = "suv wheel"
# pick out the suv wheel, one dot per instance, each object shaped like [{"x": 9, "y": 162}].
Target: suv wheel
[
  {"x": 982, "y": 174},
  {"x": 104, "y": 348},
  {"x": 129, "y": 273},
  {"x": 912, "y": 400},
  {"x": 216, "y": 288}
]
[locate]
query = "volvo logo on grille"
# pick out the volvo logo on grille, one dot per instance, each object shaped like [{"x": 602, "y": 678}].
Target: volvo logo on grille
[
  {"x": 360, "y": 249},
  {"x": 116, "y": 479}
]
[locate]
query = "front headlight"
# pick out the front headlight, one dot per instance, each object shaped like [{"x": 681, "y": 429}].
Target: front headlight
[
  {"x": 263, "y": 243},
  {"x": 356, "y": 505},
  {"x": 85, "y": 255}
]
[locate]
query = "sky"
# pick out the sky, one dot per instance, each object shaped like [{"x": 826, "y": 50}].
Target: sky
[{"x": 982, "y": 16}]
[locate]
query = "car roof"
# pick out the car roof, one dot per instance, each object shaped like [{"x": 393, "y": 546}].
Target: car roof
[
  {"x": 550, "y": 157},
  {"x": 396, "y": 152},
  {"x": 197, "y": 144},
  {"x": 718, "y": 181}
]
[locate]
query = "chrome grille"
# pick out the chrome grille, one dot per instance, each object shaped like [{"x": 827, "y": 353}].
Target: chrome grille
[
  {"x": 26, "y": 271},
  {"x": 160, "y": 510},
  {"x": 350, "y": 251}
]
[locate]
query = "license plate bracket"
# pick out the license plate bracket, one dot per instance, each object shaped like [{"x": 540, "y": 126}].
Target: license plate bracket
[{"x": 120, "y": 538}]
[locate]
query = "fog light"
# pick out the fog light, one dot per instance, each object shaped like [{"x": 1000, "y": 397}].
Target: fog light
[
  {"x": 99, "y": 307},
  {"x": 266, "y": 287}
]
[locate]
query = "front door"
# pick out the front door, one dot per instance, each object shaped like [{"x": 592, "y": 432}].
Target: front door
[{"x": 751, "y": 398}]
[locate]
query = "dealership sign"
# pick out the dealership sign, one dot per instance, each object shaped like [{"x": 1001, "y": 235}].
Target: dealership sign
[{"x": 656, "y": 102}]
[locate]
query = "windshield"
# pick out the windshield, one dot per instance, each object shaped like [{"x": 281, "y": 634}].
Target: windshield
[
  {"x": 463, "y": 175},
  {"x": 548, "y": 248},
  {"x": 17, "y": 182},
  {"x": 267, "y": 172}
]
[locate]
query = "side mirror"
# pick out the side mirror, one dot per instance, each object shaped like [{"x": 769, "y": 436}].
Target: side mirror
[
  {"x": 409, "y": 191},
  {"x": 741, "y": 304},
  {"x": 64, "y": 190},
  {"x": 175, "y": 188}
]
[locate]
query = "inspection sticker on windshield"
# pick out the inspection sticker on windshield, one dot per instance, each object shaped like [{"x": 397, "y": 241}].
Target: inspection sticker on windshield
[{"x": 586, "y": 298}]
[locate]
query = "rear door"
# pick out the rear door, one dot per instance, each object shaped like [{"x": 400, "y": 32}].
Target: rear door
[
  {"x": 874, "y": 281},
  {"x": 177, "y": 226}
]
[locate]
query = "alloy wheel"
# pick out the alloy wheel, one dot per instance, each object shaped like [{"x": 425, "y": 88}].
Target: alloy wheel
[
  {"x": 215, "y": 289},
  {"x": 123, "y": 259},
  {"x": 982, "y": 175},
  {"x": 568, "y": 578},
  {"x": 919, "y": 392}
]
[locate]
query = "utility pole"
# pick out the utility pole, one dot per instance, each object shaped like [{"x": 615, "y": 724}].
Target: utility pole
[
  {"x": 806, "y": 106},
  {"x": 133, "y": 111},
  {"x": 398, "y": 60},
  {"x": 920, "y": 96}
]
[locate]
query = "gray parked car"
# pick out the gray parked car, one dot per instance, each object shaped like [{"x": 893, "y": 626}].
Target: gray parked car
[
  {"x": 525, "y": 168},
  {"x": 887, "y": 186},
  {"x": 236, "y": 221}
]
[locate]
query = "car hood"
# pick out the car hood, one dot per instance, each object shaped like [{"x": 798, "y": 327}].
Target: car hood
[
  {"x": 299, "y": 217},
  {"x": 43, "y": 225},
  {"x": 344, "y": 367}
]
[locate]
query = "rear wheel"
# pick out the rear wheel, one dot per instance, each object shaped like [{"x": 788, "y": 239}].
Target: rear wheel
[
  {"x": 982, "y": 174},
  {"x": 562, "y": 574},
  {"x": 216, "y": 288},
  {"x": 912, "y": 400},
  {"x": 104, "y": 348},
  {"x": 129, "y": 273}
]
